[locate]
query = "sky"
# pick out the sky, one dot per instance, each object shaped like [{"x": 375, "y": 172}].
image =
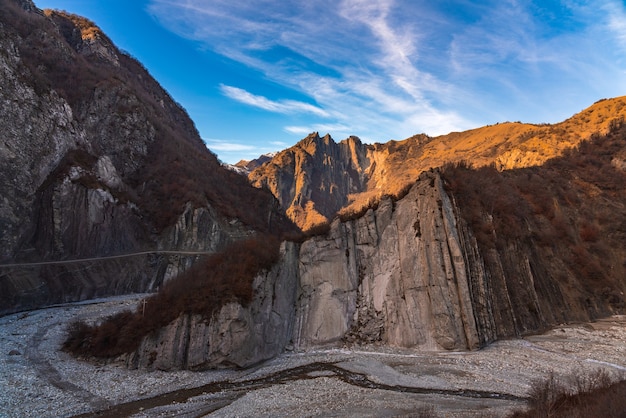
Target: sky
[{"x": 256, "y": 76}]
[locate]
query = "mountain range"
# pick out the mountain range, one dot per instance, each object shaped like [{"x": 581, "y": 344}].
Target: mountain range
[
  {"x": 99, "y": 161},
  {"x": 318, "y": 178}
]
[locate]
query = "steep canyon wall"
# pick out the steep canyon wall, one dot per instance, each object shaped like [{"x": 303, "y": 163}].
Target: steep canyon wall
[
  {"x": 396, "y": 276},
  {"x": 407, "y": 274}
]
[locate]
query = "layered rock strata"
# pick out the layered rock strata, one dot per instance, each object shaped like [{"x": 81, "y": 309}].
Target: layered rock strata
[{"x": 397, "y": 276}]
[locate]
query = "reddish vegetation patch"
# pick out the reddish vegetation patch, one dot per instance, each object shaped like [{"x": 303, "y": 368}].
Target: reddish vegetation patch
[
  {"x": 595, "y": 396},
  {"x": 570, "y": 213},
  {"x": 177, "y": 172}
]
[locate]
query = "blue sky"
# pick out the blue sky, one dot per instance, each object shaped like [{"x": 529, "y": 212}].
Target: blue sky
[{"x": 257, "y": 76}]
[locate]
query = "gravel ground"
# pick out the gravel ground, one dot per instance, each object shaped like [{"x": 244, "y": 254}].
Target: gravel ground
[{"x": 38, "y": 380}]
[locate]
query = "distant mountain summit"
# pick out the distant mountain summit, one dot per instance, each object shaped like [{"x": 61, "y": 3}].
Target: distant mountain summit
[
  {"x": 318, "y": 178},
  {"x": 247, "y": 166}
]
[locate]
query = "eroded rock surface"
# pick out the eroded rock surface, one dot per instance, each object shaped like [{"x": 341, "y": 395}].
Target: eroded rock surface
[
  {"x": 396, "y": 276},
  {"x": 407, "y": 274},
  {"x": 236, "y": 335}
]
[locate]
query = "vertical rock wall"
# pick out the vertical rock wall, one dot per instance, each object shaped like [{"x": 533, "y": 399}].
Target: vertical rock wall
[
  {"x": 411, "y": 274},
  {"x": 396, "y": 276},
  {"x": 408, "y": 274}
]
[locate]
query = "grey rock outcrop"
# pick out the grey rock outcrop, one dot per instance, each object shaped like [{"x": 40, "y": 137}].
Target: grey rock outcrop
[
  {"x": 48, "y": 123},
  {"x": 235, "y": 336}
]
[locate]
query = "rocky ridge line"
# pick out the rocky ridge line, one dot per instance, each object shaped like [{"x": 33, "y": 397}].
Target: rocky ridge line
[{"x": 318, "y": 178}]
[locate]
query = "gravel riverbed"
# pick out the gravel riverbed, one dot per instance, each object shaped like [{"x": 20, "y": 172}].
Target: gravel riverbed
[{"x": 39, "y": 380}]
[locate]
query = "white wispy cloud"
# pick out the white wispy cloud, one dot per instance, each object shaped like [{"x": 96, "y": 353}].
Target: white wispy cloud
[
  {"x": 228, "y": 146},
  {"x": 397, "y": 54},
  {"x": 392, "y": 68},
  {"x": 335, "y": 129},
  {"x": 537, "y": 64},
  {"x": 233, "y": 151},
  {"x": 281, "y": 106},
  {"x": 616, "y": 12},
  {"x": 280, "y": 144},
  {"x": 353, "y": 59},
  {"x": 299, "y": 130}
]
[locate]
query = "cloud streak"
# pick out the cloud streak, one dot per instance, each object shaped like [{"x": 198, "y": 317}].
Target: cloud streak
[
  {"x": 282, "y": 106},
  {"x": 319, "y": 127},
  {"x": 365, "y": 77},
  {"x": 228, "y": 146},
  {"x": 385, "y": 69},
  {"x": 234, "y": 151}
]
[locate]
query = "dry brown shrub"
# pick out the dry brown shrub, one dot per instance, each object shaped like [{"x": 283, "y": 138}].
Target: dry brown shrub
[
  {"x": 595, "y": 395},
  {"x": 589, "y": 232}
]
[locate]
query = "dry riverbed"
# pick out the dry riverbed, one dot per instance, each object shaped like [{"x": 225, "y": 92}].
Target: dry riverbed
[{"x": 37, "y": 379}]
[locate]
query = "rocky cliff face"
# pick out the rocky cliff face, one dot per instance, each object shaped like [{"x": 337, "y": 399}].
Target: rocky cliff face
[
  {"x": 397, "y": 276},
  {"x": 235, "y": 336},
  {"x": 410, "y": 273},
  {"x": 315, "y": 178},
  {"x": 492, "y": 255},
  {"x": 90, "y": 153}
]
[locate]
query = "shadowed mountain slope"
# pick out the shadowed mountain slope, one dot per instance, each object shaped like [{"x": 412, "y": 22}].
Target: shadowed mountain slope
[{"x": 98, "y": 160}]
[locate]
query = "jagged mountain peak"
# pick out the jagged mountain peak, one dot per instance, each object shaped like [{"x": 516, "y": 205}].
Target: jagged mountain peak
[
  {"x": 388, "y": 168},
  {"x": 313, "y": 141},
  {"x": 314, "y": 178},
  {"x": 352, "y": 140},
  {"x": 246, "y": 166}
]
